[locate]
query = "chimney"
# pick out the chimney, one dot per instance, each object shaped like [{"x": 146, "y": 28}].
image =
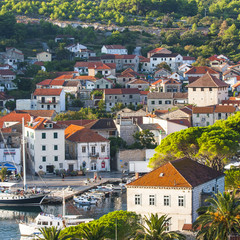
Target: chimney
[{"x": 136, "y": 175}]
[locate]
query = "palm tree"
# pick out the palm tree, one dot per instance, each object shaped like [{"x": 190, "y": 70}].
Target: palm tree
[
  {"x": 3, "y": 174},
  {"x": 52, "y": 233},
  {"x": 93, "y": 232},
  {"x": 156, "y": 228},
  {"x": 220, "y": 219}
]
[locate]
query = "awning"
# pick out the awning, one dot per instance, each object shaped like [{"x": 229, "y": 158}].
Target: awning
[{"x": 9, "y": 167}]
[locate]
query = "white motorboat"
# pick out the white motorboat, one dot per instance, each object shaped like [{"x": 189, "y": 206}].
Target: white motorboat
[
  {"x": 48, "y": 220},
  {"x": 84, "y": 201},
  {"x": 113, "y": 187}
]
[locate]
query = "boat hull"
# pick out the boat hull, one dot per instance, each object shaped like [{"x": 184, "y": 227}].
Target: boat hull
[{"x": 22, "y": 201}]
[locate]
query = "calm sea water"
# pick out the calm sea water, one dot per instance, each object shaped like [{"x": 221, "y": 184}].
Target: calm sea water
[{"x": 8, "y": 218}]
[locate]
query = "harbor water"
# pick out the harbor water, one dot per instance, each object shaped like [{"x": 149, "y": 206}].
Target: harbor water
[{"x": 9, "y": 219}]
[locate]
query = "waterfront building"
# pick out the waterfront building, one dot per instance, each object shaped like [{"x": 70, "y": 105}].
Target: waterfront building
[{"x": 177, "y": 188}]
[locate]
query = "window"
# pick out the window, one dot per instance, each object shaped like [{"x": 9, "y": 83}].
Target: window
[
  {"x": 168, "y": 223},
  {"x": 27, "y": 133},
  {"x": 44, "y": 158},
  {"x": 55, "y": 158},
  {"x": 207, "y": 114},
  {"x": 151, "y": 200},
  {"x": 115, "y": 97},
  {"x": 55, "y": 135},
  {"x": 43, "y": 147},
  {"x": 54, "y": 106},
  {"x": 42, "y": 106},
  {"x": 181, "y": 201},
  {"x": 159, "y": 102},
  {"x": 83, "y": 149},
  {"x": 194, "y": 89},
  {"x": 43, "y": 135},
  {"x": 102, "y": 148},
  {"x": 137, "y": 199},
  {"x": 93, "y": 150},
  {"x": 166, "y": 200},
  {"x": 210, "y": 89},
  {"x": 202, "y": 89},
  {"x": 168, "y": 102},
  {"x": 130, "y": 96},
  {"x": 152, "y": 102},
  {"x": 32, "y": 135},
  {"x": 55, "y": 147}
]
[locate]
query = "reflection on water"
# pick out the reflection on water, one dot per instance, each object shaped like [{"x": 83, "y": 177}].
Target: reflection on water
[{"x": 8, "y": 218}]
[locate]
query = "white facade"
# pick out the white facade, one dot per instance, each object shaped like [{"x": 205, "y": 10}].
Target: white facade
[
  {"x": 51, "y": 102},
  {"x": 45, "y": 149},
  {"x": 172, "y": 61},
  {"x": 207, "y": 96},
  {"x": 180, "y": 204},
  {"x": 121, "y": 51}
]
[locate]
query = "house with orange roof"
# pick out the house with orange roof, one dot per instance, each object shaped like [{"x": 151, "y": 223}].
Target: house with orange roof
[
  {"x": 45, "y": 146},
  {"x": 105, "y": 69},
  {"x": 88, "y": 149},
  {"x": 205, "y": 116},
  {"x": 207, "y": 90},
  {"x": 236, "y": 86},
  {"x": 166, "y": 85},
  {"x": 197, "y": 72},
  {"x": 176, "y": 189},
  {"x": 126, "y": 96},
  {"x": 49, "y": 99},
  {"x": 114, "y": 49},
  {"x": 128, "y": 75},
  {"x": 158, "y": 50},
  {"x": 13, "y": 118},
  {"x": 142, "y": 85}
]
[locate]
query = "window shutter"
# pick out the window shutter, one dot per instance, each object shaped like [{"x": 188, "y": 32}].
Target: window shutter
[
  {"x": 141, "y": 199},
  {"x": 184, "y": 201},
  {"x": 169, "y": 200},
  {"x": 155, "y": 199}
]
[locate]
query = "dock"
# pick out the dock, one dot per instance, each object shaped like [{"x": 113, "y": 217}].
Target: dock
[{"x": 56, "y": 195}]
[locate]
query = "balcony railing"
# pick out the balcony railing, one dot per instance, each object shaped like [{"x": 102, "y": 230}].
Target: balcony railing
[
  {"x": 48, "y": 102},
  {"x": 94, "y": 155}
]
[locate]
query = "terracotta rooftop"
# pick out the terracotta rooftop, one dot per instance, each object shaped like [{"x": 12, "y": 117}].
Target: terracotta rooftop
[
  {"x": 4, "y": 96},
  {"x": 120, "y": 91},
  {"x": 151, "y": 126},
  {"x": 225, "y": 109},
  {"x": 6, "y": 72},
  {"x": 181, "y": 173},
  {"x": 207, "y": 80},
  {"x": 144, "y": 92},
  {"x": 144, "y": 59},
  {"x": 167, "y": 95},
  {"x": 197, "y": 110},
  {"x": 81, "y": 122},
  {"x": 185, "y": 58},
  {"x": 201, "y": 70},
  {"x": 231, "y": 102},
  {"x": 184, "y": 122},
  {"x": 38, "y": 113},
  {"x": 165, "y": 55},
  {"x": 138, "y": 81},
  {"x": 65, "y": 77},
  {"x": 236, "y": 84},
  {"x": 14, "y": 117},
  {"x": 40, "y": 124},
  {"x": 156, "y": 82},
  {"x": 86, "y": 78},
  {"x": 114, "y": 47},
  {"x": 82, "y": 135},
  {"x": 171, "y": 81},
  {"x": 45, "y": 82},
  {"x": 47, "y": 92}
]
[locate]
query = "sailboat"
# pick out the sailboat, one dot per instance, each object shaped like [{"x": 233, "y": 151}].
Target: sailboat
[
  {"x": 49, "y": 220},
  {"x": 20, "y": 198}
]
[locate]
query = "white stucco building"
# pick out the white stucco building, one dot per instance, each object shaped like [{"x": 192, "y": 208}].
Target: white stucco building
[
  {"x": 114, "y": 49},
  {"x": 86, "y": 149},
  {"x": 177, "y": 188},
  {"x": 207, "y": 90},
  {"x": 45, "y": 145}
]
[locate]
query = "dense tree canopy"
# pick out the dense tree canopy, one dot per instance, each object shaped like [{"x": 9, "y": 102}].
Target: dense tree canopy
[{"x": 213, "y": 145}]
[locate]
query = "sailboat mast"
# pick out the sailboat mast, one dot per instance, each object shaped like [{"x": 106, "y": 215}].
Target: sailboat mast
[
  {"x": 64, "y": 210},
  {"x": 23, "y": 157}
]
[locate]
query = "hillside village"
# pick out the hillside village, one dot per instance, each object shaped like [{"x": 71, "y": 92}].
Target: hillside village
[{"x": 137, "y": 98}]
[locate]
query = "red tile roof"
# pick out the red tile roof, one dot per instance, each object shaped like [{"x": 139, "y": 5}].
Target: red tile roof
[
  {"x": 114, "y": 47},
  {"x": 79, "y": 134},
  {"x": 120, "y": 91},
  {"x": 86, "y": 78},
  {"x": 231, "y": 102},
  {"x": 39, "y": 63},
  {"x": 181, "y": 121},
  {"x": 38, "y": 113},
  {"x": 207, "y": 80},
  {"x": 155, "y": 50},
  {"x": 181, "y": 173},
  {"x": 144, "y": 59},
  {"x": 144, "y": 92},
  {"x": 6, "y": 72},
  {"x": 65, "y": 77},
  {"x": 81, "y": 122},
  {"x": 201, "y": 70},
  {"x": 185, "y": 58},
  {"x": 158, "y": 81},
  {"x": 171, "y": 81},
  {"x": 236, "y": 84},
  {"x": 197, "y": 110},
  {"x": 47, "y": 92},
  {"x": 45, "y": 82},
  {"x": 225, "y": 109},
  {"x": 15, "y": 117},
  {"x": 40, "y": 124},
  {"x": 4, "y": 96},
  {"x": 138, "y": 81},
  {"x": 57, "y": 82}
]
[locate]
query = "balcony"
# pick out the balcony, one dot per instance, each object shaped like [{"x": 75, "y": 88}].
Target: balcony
[
  {"x": 69, "y": 157},
  {"x": 48, "y": 102},
  {"x": 93, "y": 155}
]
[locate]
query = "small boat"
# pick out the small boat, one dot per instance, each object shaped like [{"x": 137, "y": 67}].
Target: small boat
[
  {"x": 84, "y": 201},
  {"x": 113, "y": 187},
  {"x": 48, "y": 220}
]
